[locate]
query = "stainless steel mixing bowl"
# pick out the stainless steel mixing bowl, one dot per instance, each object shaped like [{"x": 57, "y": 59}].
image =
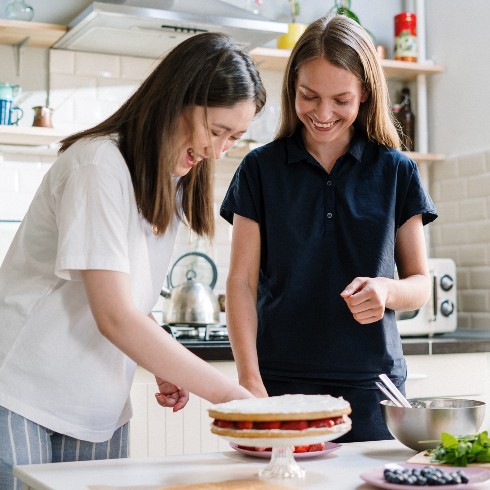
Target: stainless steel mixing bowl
[{"x": 430, "y": 417}]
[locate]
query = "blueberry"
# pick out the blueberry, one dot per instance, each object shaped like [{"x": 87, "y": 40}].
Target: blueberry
[{"x": 464, "y": 478}]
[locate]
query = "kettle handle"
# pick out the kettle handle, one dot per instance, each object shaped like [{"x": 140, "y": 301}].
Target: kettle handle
[{"x": 198, "y": 254}]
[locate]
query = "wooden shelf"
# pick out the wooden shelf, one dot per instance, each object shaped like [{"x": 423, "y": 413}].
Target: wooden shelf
[
  {"x": 406, "y": 70},
  {"x": 29, "y": 136},
  {"x": 276, "y": 59},
  {"x": 33, "y": 34},
  {"x": 271, "y": 59},
  {"x": 425, "y": 157}
]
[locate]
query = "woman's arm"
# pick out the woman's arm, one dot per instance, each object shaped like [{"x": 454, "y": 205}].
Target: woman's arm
[
  {"x": 144, "y": 341},
  {"x": 241, "y": 302},
  {"x": 368, "y": 297}
]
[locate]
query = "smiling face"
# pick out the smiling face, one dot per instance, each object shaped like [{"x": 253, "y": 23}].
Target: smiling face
[
  {"x": 327, "y": 103},
  {"x": 202, "y": 137}
]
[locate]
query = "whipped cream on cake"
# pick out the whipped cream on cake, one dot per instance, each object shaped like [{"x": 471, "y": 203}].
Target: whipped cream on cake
[{"x": 284, "y": 404}]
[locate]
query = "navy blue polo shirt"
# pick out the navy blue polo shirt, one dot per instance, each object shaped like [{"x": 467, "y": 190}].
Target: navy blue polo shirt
[{"x": 319, "y": 231}]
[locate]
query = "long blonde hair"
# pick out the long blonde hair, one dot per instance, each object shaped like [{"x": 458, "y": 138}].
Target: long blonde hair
[
  {"x": 345, "y": 44},
  {"x": 207, "y": 70}
]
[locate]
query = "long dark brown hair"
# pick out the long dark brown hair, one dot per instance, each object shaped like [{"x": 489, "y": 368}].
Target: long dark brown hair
[
  {"x": 345, "y": 44},
  {"x": 207, "y": 70}
]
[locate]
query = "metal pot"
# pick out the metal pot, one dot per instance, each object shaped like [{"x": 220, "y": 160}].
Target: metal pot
[{"x": 192, "y": 302}]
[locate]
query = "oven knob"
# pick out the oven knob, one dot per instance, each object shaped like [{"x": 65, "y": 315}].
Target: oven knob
[
  {"x": 446, "y": 282},
  {"x": 447, "y": 308}
]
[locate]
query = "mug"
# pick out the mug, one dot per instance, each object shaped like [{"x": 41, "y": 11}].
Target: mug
[{"x": 7, "y": 111}]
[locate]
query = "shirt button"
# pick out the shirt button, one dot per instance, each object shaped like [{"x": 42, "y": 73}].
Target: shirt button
[
  {"x": 329, "y": 183},
  {"x": 329, "y": 215}
]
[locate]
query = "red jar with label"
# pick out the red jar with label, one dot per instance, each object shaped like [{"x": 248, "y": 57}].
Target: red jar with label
[{"x": 406, "y": 37}]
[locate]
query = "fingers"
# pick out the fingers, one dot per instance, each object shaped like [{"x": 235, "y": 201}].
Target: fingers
[
  {"x": 354, "y": 287},
  {"x": 182, "y": 401},
  {"x": 363, "y": 300},
  {"x": 167, "y": 388},
  {"x": 176, "y": 400}
]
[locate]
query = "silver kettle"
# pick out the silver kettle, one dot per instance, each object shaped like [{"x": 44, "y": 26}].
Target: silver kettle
[{"x": 192, "y": 302}]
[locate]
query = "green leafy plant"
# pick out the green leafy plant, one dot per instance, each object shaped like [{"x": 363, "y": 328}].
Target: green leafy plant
[
  {"x": 462, "y": 450},
  {"x": 343, "y": 7}
]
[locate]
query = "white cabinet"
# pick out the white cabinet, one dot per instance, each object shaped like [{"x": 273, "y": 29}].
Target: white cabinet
[
  {"x": 157, "y": 431},
  {"x": 450, "y": 375}
]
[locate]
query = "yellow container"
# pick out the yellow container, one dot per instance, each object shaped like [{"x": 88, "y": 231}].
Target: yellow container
[{"x": 287, "y": 41}]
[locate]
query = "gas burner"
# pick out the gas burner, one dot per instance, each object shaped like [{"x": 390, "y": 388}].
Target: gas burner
[
  {"x": 184, "y": 332},
  {"x": 216, "y": 332},
  {"x": 198, "y": 333}
]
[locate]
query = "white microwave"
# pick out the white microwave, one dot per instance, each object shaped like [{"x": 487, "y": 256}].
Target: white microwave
[{"x": 439, "y": 314}]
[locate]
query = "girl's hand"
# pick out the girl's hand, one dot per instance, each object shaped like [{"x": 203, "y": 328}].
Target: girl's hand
[
  {"x": 171, "y": 395},
  {"x": 366, "y": 298}
]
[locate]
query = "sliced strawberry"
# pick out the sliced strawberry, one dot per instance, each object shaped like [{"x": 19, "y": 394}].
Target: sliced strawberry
[
  {"x": 321, "y": 423},
  {"x": 244, "y": 424},
  {"x": 339, "y": 420},
  {"x": 316, "y": 447},
  {"x": 224, "y": 424},
  {"x": 294, "y": 425},
  {"x": 301, "y": 449},
  {"x": 273, "y": 424}
]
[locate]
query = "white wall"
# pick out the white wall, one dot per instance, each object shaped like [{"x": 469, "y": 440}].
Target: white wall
[{"x": 458, "y": 38}]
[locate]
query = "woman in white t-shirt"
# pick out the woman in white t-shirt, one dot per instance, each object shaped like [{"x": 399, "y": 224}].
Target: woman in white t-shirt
[{"x": 87, "y": 264}]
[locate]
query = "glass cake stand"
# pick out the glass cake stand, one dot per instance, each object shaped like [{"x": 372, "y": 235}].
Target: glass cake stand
[{"x": 282, "y": 463}]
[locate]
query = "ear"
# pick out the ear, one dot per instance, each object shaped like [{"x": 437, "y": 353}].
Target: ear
[{"x": 365, "y": 95}]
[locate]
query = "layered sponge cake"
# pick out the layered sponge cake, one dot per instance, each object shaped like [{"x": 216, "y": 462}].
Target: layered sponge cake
[{"x": 285, "y": 416}]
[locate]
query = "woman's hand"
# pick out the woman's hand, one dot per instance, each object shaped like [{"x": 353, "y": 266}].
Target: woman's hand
[
  {"x": 256, "y": 387},
  {"x": 366, "y": 298},
  {"x": 171, "y": 395}
]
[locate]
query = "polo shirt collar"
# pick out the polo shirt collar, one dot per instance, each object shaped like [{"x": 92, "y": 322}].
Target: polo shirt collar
[{"x": 296, "y": 151}]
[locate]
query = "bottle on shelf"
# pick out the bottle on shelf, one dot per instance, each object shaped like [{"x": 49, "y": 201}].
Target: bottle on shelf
[{"x": 406, "y": 119}]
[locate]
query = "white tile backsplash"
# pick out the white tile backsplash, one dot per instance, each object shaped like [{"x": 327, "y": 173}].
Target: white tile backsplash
[{"x": 460, "y": 187}]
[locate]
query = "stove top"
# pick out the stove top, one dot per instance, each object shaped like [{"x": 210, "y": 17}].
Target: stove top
[{"x": 201, "y": 333}]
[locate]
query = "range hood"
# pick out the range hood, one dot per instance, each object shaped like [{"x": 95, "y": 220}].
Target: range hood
[{"x": 149, "y": 28}]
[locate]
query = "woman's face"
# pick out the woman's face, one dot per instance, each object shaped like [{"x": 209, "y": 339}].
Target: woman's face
[
  {"x": 198, "y": 140},
  {"x": 327, "y": 102}
]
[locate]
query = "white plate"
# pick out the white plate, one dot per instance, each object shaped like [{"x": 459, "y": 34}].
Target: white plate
[
  {"x": 476, "y": 476},
  {"x": 329, "y": 447}
]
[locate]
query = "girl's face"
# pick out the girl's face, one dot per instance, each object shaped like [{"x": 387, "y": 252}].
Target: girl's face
[
  {"x": 201, "y": 138},
  {"x": 327, "y": 102}
]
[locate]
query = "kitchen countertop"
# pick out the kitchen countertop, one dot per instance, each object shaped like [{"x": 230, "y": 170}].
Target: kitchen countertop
[
  {"x": 461, "y": 341},
  {"x": 339, "y": 470}
]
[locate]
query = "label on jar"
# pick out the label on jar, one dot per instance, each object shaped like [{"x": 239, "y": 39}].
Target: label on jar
[{"x": 406, "y": 37}]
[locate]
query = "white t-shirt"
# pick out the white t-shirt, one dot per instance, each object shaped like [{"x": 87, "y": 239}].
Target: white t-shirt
[{"x": 56, "y": 368}]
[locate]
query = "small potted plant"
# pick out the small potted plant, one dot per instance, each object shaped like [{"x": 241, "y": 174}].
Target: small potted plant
[{"x": 295, "y": 29}]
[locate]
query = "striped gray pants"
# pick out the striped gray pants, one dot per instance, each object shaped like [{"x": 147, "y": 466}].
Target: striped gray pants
[{"x": 24, "y": 442}]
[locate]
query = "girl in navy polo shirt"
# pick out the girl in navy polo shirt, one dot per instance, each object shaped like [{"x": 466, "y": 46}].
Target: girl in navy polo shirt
[{"x": 321, "y": 217}]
